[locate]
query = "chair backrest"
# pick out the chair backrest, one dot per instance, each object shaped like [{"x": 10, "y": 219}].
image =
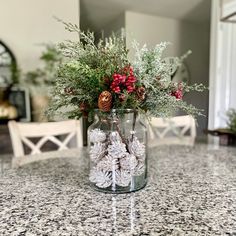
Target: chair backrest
[
  {"x": 176, "y": 130},
  {"x": 21, "y": 133}
]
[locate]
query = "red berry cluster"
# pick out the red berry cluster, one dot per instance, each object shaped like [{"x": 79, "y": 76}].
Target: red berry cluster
[
  {"x": 178, "y": 93},
  {"x": 124, "y": 81}
]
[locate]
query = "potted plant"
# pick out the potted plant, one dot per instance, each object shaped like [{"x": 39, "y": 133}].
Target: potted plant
[
  {"x": 40, "y": 81},
  {"x": 231, "y": 113}
]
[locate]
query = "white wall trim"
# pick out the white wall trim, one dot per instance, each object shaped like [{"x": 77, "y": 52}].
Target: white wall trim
[
  {"x": 221, "y": 69},
  {"x": 213, "y": 64}
]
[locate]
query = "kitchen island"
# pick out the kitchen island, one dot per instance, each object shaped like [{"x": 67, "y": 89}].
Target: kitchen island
[{"x": 190, "y": 191}]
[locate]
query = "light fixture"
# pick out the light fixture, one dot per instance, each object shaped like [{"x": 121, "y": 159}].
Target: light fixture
[{"x": 228, "y": 11}]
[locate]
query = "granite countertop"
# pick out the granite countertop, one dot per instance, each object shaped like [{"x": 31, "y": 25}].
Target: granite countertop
[{"x": 191, "y": 191}]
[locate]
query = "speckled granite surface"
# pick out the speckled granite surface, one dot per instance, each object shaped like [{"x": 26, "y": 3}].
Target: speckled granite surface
[{"x": 191, "y": 191}]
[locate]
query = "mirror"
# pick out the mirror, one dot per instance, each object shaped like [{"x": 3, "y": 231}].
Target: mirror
[{"x": 7, "y": 65}]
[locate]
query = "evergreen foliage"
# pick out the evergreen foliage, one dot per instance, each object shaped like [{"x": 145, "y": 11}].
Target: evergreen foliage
[{"x": 88, "y": 68}]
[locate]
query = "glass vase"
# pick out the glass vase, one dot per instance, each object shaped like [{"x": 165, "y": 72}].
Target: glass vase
[{"x": 118, "y": 151}]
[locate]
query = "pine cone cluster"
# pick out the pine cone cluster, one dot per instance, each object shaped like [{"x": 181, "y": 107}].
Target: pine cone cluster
[{"x": 115, "y": 162}]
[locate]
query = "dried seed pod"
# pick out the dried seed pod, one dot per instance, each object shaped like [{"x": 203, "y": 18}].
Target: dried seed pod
[
  {"x": 122, "y": 97},
  {"x": 105, "y": 101},
  {"x": 69, "y": 91},
  {"x": 140, "y": 92},
  {"x": 84, "y": 108},
  {"x": 106, "y": 80}
]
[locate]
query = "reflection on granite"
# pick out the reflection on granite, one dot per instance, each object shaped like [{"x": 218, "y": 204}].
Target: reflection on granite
[{"x": 191, "y": 191}]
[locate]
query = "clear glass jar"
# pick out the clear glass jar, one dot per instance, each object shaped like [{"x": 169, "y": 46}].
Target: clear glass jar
[{"x": 118, "y": 151}]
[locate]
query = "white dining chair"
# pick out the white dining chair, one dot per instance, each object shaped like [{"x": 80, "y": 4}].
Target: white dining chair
[
  {"x": 23, "y": 133},
  {"x": 179, "y": 130}
]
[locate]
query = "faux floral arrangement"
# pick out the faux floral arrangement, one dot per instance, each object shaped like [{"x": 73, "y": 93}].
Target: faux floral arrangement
[{"x": 101, "y": 76}]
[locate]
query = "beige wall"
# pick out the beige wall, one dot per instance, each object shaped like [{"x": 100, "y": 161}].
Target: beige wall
[
  {"x": 183, "y": 36},
  {"x": 25, "y": 24},
  {"x": 114, "y": 26},
  {"x": 152, "y": 30}
]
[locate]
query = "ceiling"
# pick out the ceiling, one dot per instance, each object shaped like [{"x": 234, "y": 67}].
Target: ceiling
[{"x": 97, "y": 13}]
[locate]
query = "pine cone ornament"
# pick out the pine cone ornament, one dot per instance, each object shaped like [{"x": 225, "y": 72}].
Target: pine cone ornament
[
  {"x": 129, "y": 162},
  {"x": 117, "y": 150},
  {"x": 108, "y": 163},
  {"x": 97, "y": 136},
  {"x": 101, "y": 178},
  {"x": 123, "y": 178},
  {"x": 136, "y": 148},
  {"x": 105, "y": 101},
  {"x": 97, "y": 151},
  {"x": 115, "y": 137}
]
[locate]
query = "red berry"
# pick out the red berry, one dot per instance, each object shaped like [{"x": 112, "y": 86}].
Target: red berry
[
  {"x": 178, "y": 94},
  {"x": 130, "y": 89},
  {"x": 116, "y": 89}
]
